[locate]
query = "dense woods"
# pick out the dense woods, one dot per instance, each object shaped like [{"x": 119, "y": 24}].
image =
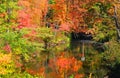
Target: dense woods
[{"x": 59, "y": 39}]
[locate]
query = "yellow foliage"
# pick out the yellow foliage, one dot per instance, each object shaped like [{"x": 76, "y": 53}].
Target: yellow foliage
[{"x": 6, "y": 64}]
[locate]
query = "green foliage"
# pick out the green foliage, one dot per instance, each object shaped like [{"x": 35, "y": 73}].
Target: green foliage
[
  {"x": 72, "y": 76},
  {"x": 112, "y": 55},
  {"x": 105, "y": 27},
  {"x": 51, "y": 1},
  {"x": 7, "y": 9},
  {"x": 45, "y": 34},
  {"x": 9, "y": 34},
  {"x": 105, "y": 31},
  {"x": 52, "y": 37},
  {"x": 20, "y": 75},
  {"x": 101, "y": 9}
]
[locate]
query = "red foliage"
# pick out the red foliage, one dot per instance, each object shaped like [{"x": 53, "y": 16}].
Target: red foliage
[
  {"x": 33, "y": 72},
  {"x": 7, "y": 48},
  {"x": 65, "y": 27},
  {"x": 18, "y": 64},
  {"x": 36, "y": 9},
  {"x": 23, "y": 19}
]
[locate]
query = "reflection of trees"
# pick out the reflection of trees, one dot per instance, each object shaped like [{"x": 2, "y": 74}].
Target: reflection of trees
[{"x": 116, "y": 22}]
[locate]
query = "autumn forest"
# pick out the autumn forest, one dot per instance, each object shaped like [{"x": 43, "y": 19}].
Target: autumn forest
[{"x": 59, "y": 38}]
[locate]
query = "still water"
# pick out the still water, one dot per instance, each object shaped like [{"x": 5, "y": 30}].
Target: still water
[{"x": 82, "y": 50}]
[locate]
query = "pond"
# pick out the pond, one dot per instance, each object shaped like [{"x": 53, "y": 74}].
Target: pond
[{"x": 82, "y": 54}]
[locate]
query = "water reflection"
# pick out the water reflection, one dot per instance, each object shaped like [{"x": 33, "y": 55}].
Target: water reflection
[
  {"x": 84, "y": 47},
  {"x": 83, "y": 50}
]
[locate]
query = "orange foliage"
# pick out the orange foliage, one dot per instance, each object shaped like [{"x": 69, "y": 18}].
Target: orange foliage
[
  {"x": 53, "y": 75},
  {"x": 2, "y": 15},
  {"x": 79, "y": 76},
  {"x": 40, "y": 71},
  {"x": 65, "y": 65},
  {"x": 60, "y": 9},
  {"x": 72, "y": 14},
  {"x": 36, "y": 9}
]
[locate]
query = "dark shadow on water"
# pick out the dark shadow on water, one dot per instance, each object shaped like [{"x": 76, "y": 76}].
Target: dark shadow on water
[{"x": 115, "y": 71}]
